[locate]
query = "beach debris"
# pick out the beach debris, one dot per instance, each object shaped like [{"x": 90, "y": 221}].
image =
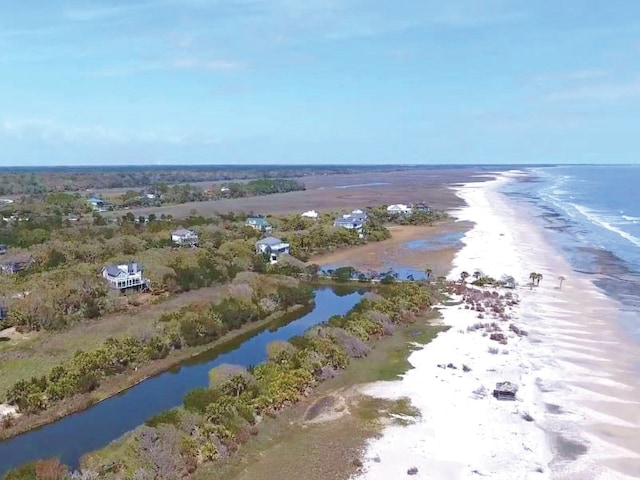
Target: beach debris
[
  {"x": 480, "y": 392},
  {"x": 466, "y": 368},
  {"x": 498, "y": 337},
  {"x": 518, "y": 331},
  {"x": 505, "y": 391},
  {"x": 412, "y": 471},
  {"x": 525, "y": 416},
  {"x": 451, "y": 365},
  {"x": 377, "y": 459},
  {"x": 493, "y": 350}
]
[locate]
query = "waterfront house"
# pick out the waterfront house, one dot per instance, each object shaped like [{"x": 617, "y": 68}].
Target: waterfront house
[
  {"x": 125, "y": 275},
  {"x": 259, "y": 223},
  {"x": 399, "y": 209},
  {"x": 312, "y": 214},
  {"x": 272, "y": 246},
  {"x": 184, "y": 237},
  {"x": 352, "y": 221},
  {"x": 422, "y": 207}
]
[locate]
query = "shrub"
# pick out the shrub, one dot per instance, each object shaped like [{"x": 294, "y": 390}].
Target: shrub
[
  {"x": 199, "y": 399},
  {"x": 168, "y": 417}
]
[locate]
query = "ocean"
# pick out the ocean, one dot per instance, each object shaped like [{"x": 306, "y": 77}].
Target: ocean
[{"x": 592, "y": 213}]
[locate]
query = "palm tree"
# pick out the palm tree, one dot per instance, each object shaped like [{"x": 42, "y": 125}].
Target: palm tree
[
  {"x": 477, "y": 274},
  {"x": 532, "y": 277},
  {"x": 464, "y": 276},
  {"x": 538, "y": 278},
  {"x": 562, "y": 279},
  {"x": 427, "y": 274}
]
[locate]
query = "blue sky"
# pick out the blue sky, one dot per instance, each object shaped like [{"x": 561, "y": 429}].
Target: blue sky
[{"x": 319, "y": 81}]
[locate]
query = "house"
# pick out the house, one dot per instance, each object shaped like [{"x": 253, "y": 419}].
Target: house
[
  {"x": 14, "y": 266},
  {"x": 126, "y": 275},
  {"x": 399, "y": 209},
  {"x": 422, "y": 207},
  {"x": 98, "y": 204},
  {"x": 259, "y": 223},
  {"x": 184, "y": 237},
  {"x": 312, "y": 214},
  {"x": 353, "y": 221},
  {"x": 273, "y": 247},
  {"x": 3, "y": 249}
]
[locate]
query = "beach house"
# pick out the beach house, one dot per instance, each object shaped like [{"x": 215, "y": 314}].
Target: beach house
[
  {"x": 125, "y": 275},
  {"x": 184, "y": 238},
  {"x": 399, "y": 209},
  {"x": 272, "y": 246},
  {"x": 97, "y": 204},
  {"x": 16, "y": 264},
  {"x": 352, "y": 221},
  {"x": 259, "y": 223},
  {"x": 422, "y": 207}
]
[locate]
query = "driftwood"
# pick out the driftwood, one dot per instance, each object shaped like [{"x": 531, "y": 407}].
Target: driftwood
[{"x": 505, "y": 391}]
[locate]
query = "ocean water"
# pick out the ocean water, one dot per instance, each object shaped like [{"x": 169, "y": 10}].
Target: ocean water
[{"x": 593, "y": 214}]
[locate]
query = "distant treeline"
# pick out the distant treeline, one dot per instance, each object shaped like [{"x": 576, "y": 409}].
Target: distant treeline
[{"x": 41, "y": 180}]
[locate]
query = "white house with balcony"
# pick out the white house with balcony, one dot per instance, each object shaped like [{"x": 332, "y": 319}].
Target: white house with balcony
[
  {"x": 272, "y": 246},
  {"x": 184, "y": 237},
  {"x": 399, "y": 209},
  {"x": 125, "y": 275}
]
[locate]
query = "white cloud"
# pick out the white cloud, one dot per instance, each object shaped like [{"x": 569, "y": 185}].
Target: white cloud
[
  {"x": 598, "y": 92},
  {"x": 52, "y": 132}
]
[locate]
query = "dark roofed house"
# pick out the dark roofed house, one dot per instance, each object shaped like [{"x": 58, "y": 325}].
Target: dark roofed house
[
  {"x": 16, "y": 264},
  {"x": 422, "y": 207},
  {"x": 184, "y": 237},
  {"x": 273, "y": 247},
  {"x": 125, "y": 275},
  {"x": 259, "y": 223}
]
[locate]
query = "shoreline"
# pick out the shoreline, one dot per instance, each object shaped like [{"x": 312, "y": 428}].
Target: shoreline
[{"x": 579, "y": 429}]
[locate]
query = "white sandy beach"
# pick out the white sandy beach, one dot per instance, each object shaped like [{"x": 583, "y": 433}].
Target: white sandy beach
[{"x": 574, "y": 372}]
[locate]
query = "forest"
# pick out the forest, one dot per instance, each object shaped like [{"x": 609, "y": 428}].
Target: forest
[{"x": 16, "y": 181}]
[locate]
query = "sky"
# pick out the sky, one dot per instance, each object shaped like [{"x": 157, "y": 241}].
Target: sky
[{"x": 319, "y": 81}]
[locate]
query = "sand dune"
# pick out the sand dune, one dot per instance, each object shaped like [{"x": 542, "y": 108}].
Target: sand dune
[{"x": 577, "y": 386}]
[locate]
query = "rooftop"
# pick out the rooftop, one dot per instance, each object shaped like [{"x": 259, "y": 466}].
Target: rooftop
[{"x": 270, "y": 241}]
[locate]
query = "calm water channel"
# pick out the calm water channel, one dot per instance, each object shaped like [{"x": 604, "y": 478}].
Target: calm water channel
[{"x": 76, "y": 435}]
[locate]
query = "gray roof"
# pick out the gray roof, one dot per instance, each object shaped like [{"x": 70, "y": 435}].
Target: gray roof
[
  {"x": 270, "y": 241},
  {"x": 181, "y": 232},
  {"x": 113, "y": 270}
]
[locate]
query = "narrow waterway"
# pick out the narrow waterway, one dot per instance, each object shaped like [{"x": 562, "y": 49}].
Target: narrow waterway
[{"x": 75, "y": 435}]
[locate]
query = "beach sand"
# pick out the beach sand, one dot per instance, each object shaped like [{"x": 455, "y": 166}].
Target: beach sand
[{"x": 577, "y": 412}]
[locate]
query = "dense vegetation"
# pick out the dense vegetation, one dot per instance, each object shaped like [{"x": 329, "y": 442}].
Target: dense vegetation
[
  {"x": 42, "y": 180},
  {"x": 163, "y": 194},
  {"x": 215, "y": 421},
  {"x": 191, "y": 326},
  {"x": 66, "y": 260}
]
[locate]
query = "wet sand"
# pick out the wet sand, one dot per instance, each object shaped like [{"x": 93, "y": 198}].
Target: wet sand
[{"x": 410, "y": 247}]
